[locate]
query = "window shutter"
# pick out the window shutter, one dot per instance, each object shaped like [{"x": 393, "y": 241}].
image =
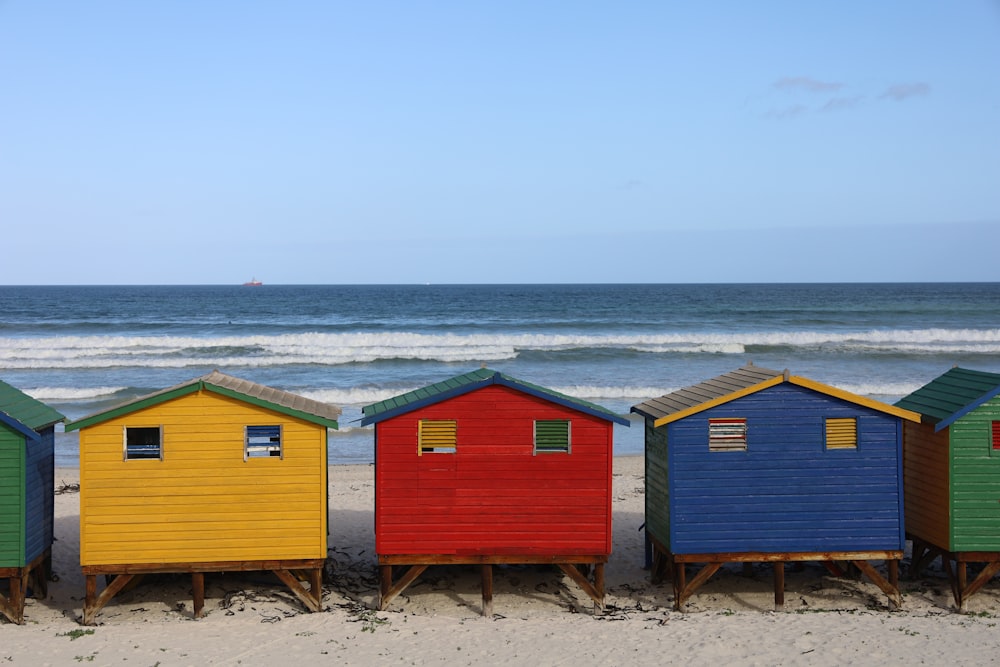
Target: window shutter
[
  {"x": 727, "y": 435},
  {"x": 996, "y": 435},
  {"x": 842, "y": 433},
  {"x": 437, "y": 435},
  {"x": 552, "y": 435}
]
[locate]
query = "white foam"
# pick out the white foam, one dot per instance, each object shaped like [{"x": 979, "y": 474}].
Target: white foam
[{"x": 337, "y": 349}]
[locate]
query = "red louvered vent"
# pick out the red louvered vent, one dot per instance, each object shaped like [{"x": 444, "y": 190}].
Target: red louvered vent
[{"x": 996, "y": 435}]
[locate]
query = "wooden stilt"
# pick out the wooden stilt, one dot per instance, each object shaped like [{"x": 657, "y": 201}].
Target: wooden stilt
[
  {"x": 394, "y": 590},
  {"x": 703, "y": 575},
  {"x": 486, "y": 573},
  {"x": 962, "y": 573},
  {"x": 779, "y": 585},
  {"x": 384, "y": 585},
  {"x": 35, "y": 576},
  {"x": 198, "y": 591},
  {"x": 680, "y": 574},
  {"x": 599, "y": 585}
]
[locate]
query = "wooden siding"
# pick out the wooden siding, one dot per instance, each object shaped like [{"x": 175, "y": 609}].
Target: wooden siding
[
  {"x": 11, "y": 498},
  {"x": 39, "y": 496},
  {"x": 975, "y": 490},
  {"x": 493, "y": 496},
  {"x": 926, "y": 472},
  {"x": 787, "y": 492},
  {"x": 657, "y": 483},
  {"x": 202, "y": 502}
]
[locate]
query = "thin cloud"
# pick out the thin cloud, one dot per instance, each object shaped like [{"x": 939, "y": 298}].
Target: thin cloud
[
  {"x": 840, "y": 103},
  {"x": 807, "y": 84},
  {"x": 903, "y": 91},
  {"x": 787, "y": 112}
]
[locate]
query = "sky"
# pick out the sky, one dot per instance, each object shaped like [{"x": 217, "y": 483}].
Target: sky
[{"x": 327, "y": 142}]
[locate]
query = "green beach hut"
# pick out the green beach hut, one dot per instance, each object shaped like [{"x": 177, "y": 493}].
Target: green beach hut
[
  {"x": 27, "y": 504},
  {"x": 951, "y": 462}
]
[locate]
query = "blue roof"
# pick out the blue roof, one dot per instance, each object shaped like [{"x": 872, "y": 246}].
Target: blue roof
[{"x": 463, "y": 384}]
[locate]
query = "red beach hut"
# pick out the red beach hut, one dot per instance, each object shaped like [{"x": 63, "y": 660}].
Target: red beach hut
[{"x": 485, "y": 469}]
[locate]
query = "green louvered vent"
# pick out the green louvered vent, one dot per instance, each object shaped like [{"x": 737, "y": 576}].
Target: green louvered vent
[{"x": 552, "y": 435}]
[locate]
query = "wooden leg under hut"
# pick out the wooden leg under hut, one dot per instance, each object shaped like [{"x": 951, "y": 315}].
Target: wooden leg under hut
[
  {"x": 683, "y": 589},
  {"x": 125, "y": 575},
  {"x": 573, "y": 567},
  {"x": 34, "y": 576}
]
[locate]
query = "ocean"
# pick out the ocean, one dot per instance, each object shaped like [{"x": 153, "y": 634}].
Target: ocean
[{"x": 83, "y": 349}]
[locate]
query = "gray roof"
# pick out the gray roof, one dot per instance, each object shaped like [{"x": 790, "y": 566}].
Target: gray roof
[
  {"x": 251, "y": 392},
  {"x": 698, "y": 394}
]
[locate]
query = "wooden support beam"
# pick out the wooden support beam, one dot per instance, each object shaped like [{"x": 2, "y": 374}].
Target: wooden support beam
[
  {"x": 312, "y": 599},
  {"x": 198, "y": 591},
  {"x": 389, "y": 591},
  {"x": 35, "y": 575},
  {"x": 779, "y": 585},
  {"x": 93, "y": 602},
  {"x": 687, "y": 591},
  {"x": 891, "y": 591},
  {"x": 486, "y": 573},
  {"x": 596, "y": 590},
  {"x": 12, "y": 606},
  {"x": 987, "y": 573}
]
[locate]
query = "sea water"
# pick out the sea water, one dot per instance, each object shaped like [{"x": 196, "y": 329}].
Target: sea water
[{"x": 83, "y": 349}]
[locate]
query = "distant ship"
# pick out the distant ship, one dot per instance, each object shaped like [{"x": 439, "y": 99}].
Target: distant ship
[{"x": 253, "y": 282}]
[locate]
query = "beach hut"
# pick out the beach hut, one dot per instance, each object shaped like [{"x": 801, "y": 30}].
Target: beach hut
[
  {"x": 27, "y": 460},
  {"x": 213, "y": 475},
  {"x": 758, "y": 465},
  {"x": 952, "y": 475},
  {"x": 485, "y": 469}
]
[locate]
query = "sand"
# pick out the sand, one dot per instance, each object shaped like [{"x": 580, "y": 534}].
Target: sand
[{"x": 540, "y": 617}]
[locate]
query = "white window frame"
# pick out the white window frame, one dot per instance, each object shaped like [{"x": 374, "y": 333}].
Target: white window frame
[
  {"x": 263, "y": 450},
  {"x": 135, "y": 454}
]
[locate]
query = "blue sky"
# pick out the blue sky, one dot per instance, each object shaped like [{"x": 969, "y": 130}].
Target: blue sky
[{"x": 467, "y": 142}]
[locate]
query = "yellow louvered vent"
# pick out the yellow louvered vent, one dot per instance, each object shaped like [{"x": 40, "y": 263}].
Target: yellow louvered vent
[
  {"x": 842, "y": 433},
  {"x": 437, "y": 435}
]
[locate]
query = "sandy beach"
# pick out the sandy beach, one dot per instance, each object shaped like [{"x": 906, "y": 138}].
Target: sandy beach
[{"x": 540, "y": 617}]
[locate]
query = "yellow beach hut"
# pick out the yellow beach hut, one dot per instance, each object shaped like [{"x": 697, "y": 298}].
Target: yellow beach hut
[{"x": 217, "y": 474}]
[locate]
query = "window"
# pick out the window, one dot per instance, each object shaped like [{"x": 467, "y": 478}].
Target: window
[
  {"x": 437, "y": 436},
  {"x": 143, "y": 442},
  {"x": 842, "y": 433},
  {"x": 552, "y": 435},
  {"x": 262, "y": 441},
  {"x": 996, "y": 435},
  {"x": 727, "y": 435}
]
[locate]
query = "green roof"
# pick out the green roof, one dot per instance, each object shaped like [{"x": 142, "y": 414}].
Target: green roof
[
  {"x": 249, "y": 392},
  {"x": 20, "y": 411},
  {"x": 461, "y": 384},
  {"x": 951, "y": 395}
]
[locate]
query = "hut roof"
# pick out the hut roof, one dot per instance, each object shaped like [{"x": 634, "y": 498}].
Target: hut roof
[
  {"x": 23, "y": 413},
  {"x": 952, "y": 395},
  {"x": 462, "y": 384},
  {"x": 226, "y": 385},
  {"x": 742, "y": 382}
]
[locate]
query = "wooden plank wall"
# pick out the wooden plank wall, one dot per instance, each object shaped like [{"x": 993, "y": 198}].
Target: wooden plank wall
[
  {"x": 976, "y": 481},
  {"x": 926, "y": 470},
  {"x": 787, "y": 492},
  {"x": 657, "y": 483},
  {"x": 39, "y": 495},
  {"x": 202, "y": 502},
  {"x": 11, "y": 498},
  {"x": 493, "y": 496}
]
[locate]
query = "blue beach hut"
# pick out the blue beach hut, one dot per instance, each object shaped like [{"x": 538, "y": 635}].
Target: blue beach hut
[
  {"x": 758, "y": 465},
  {"x": 27, "y": 506}
]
